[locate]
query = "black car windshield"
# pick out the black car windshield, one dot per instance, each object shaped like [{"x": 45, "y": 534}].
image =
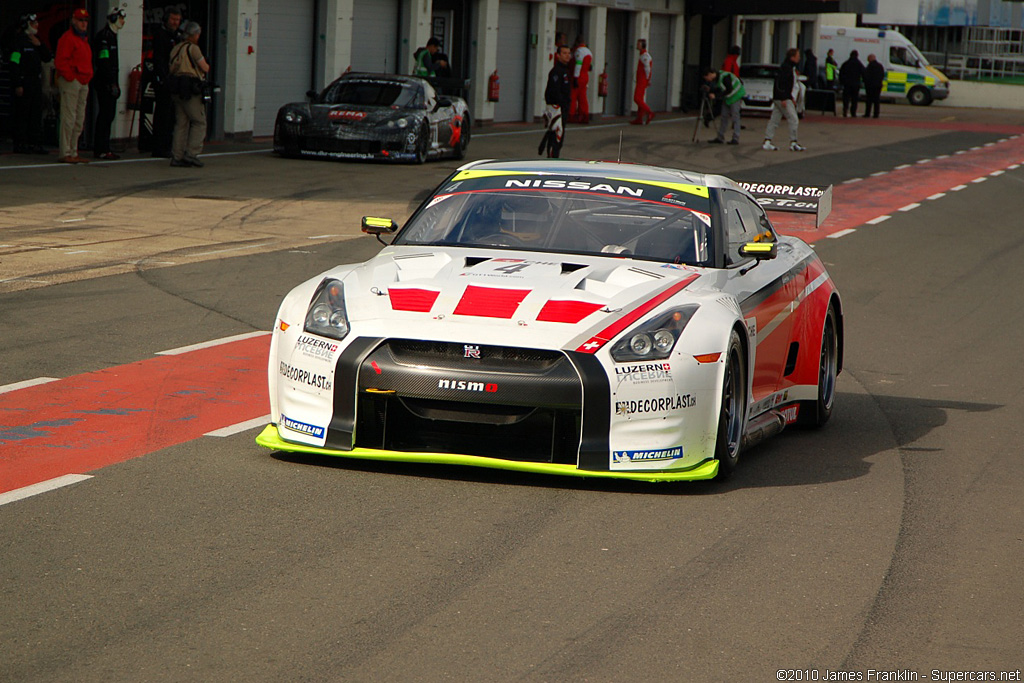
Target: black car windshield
[
  {"x": 600, "y": 217},
  {"x": 394, "y": 94}
]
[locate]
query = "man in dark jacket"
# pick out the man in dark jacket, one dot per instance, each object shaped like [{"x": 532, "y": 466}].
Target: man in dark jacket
[
  {"x": 874, "y": 79},
  {"x": 164, "y": 40},
  {"x": 106, "y": 82},
  {"x": 26, "y": 64},
  {"x": 557, "y": 97},
  {"x": 851, "y": 73},
  {"x": 784, "y": 95},
  {"x": 810, "y": 70}
]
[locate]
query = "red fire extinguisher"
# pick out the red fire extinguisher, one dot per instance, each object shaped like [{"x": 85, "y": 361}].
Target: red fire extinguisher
[
  {"x": 134, "y": 101},
  {"x": 602, "y": 83},
  {"x": 493, "y": 87}
]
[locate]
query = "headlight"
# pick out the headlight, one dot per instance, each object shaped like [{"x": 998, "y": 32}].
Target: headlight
[
  {"x": 402, "y": 123},
  {"x": 293, "y": 117},
  {"x": 326, "y": 315},
  {"x": 654, "y": 339}
]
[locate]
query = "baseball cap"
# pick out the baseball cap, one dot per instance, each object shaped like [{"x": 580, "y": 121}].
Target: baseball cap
[{"x": 80, "y": 13}]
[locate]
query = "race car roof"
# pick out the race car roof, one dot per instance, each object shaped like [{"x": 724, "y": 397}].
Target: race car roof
[{"x": 601, "y": 169}]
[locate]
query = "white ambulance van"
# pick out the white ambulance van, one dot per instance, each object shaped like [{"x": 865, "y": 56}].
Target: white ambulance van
[{"x": 907, "y": 73}]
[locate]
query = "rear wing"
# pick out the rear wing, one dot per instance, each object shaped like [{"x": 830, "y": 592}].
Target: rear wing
[{"x": 793, "y": 198}]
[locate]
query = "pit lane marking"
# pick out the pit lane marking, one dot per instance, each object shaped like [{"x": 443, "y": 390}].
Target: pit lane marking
[
  {"x": 937, "y": 195},
  {"x": 42, "y": 487},
  {"x": 240, "y": 427},
  {"x": 909, "y": 207},
  {"x": 213, "y": 342},
  {"x": 841, "y": 233},
  {"x": 26, "y": 383},
  {"x": 876, "y": 221}
]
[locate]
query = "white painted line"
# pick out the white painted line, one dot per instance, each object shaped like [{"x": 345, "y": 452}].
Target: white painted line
[
  {"x": 942, "y": 156},
  {"x": 957, "y": 188},
  {"x": 989, "y": 144},
  {"x": 241, "y": 426},
  {"x": 975, "y": 149},
  {"x": 26, "y": 383},
  {"x": 923, "y": 161},
  {"x": 224, "y": 251},
  {"x": 205, "y": 345},
  {"x": 878, "y": 173},
  {"x": 4, "y": 246},
  {"x": 852, "y": 180},
  {"x": 72, "y": 220},
  {"x": 79, "y": 251},
  {"x": 1012, "y": 167},
  {"x": 909, "y": 207},
  {"x": 937, "y": 195},
  {"x": 997, "y": 173},
  {"x": 960, "y": 151},
  {"x": 1001, "y": 140},
  {"x": 876, "y": 221},
  {"x": 901, "y": 167},
  {"x": 321, "y": 237},
  {"x": 42, "y": 487},
  {"x": 979, "y": 180},
  {"x": 840, "y": 233}
]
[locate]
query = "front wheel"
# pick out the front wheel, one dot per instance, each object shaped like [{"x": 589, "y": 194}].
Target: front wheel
[
  {"x": 732, "y": 416},
  {"x": 919, "y": 96},
  {"x": 816, "y": 413},
  {"x": 463, "y": 144},
  {"x": 422, "y": 143}
]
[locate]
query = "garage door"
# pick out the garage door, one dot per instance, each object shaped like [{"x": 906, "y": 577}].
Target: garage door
[
  {"x": 375, "y": 34},
  {"x": 513, "y": 34},
  {"x": 658, "y": 44},
  {"x": 284, "y": 58}
]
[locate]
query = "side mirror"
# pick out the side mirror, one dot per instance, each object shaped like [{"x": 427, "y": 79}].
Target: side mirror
[
  {"x": 311, "y": 95},
  {"x": 442, "y": 102},
  {"x": 378, "y": 226},
  {"x": 761, "y": 251}
]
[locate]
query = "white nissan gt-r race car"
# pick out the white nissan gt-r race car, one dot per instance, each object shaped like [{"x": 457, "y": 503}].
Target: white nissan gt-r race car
[{"x": 564, "y": 317}]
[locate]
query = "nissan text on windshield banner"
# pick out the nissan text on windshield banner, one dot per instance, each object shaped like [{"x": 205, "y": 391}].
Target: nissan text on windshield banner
[{"x": 796, "y": 198}]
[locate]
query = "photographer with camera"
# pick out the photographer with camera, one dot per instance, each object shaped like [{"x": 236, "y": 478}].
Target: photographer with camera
[
  {"x": 187, "y": 76},
  {"x": 728, "y": 89}
]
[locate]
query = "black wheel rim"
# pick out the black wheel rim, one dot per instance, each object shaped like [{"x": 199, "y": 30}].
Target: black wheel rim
[{"x": 827, "y": 370}]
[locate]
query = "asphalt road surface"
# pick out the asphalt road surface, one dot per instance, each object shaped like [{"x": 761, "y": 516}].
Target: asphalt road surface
[{"x": 890, "y": 543}]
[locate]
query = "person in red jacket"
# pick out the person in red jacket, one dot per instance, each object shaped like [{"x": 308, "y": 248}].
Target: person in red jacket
[
  {"x": 732, "y": 61},
  {"x": 74, "y": 71},
  {"x": 579, "y": 107},
  {"x": 643, "y": 79}
]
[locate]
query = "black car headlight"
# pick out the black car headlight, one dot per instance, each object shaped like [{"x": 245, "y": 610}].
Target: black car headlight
[
  {"x": 326, "y": 315},
  {"x": 397, "y": 123},
  {"x": 293, "y": 117},
  {"x": 654, "y": 339}
]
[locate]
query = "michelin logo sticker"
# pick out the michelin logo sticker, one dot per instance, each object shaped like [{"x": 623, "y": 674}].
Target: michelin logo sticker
[
  {"x": 622, "y": 457},
  {"x": 302, "y": 427}
]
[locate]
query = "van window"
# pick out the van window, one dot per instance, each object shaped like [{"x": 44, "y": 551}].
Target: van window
[{"x": 901, "y": 56}]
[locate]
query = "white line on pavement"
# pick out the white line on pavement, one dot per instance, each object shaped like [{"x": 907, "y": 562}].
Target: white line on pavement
[
  {"x": 957, "y": 188},
  {"x": 909, "y": 207},
  {"x": 876, "y": 221},
  {"x": 937, "y": 195},
  {"x": 979, "y": 180},
  {"x": 224, "y": 251},
  {"x": 205, "y": 345},
  {"x": 26, "y": 383},
  {"x": 840, "y": 233},
  {"x": 42, "y": 487},
  {"x": 997, "y": 172},
  {"x": 240, "y": 427}
]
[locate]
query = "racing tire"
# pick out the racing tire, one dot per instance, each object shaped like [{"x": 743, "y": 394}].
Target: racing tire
[
  {"x": 422, "y": 144},
  {"x": 919, "y": 96},
  {"x": 460, "y": 149},
  {"x": 732, "y": 414},
  {"x": 814, "y": 414}
]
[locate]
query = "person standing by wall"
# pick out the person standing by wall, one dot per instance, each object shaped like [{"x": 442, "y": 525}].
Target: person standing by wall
[
  {"x": 728, "y": 88},
  {"x": 579, "y": 109},
  {"x": 26, "y": 65},
  {"x": 732, "y": 61},
  {"x": 74, "y": 71},
  {"x": 105, "y": 82},
  {"x": 188, "y": 69},
  {"x": 164, "y": 40},
  {"x": 557, "y": 96},
  {"x": 850, "y": 75},
  {"x": 784, "y": 94},
  {"x": 643, "y": 79},
  {"x": 874, "y": 79}
]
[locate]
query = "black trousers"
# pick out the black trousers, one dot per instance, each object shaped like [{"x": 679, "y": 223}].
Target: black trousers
[
  {"x": 872, "y": 98},
  {"x": 850, "y": 96},
  {"x": 163, "y": 122},
  {"x": 106, "y": 108},
  {"x": 27, "y": 124}
]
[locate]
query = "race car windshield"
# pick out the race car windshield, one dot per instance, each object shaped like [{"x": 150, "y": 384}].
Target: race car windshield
[
  {"x": 568, "y": 222},
  {"x": 375, "y": 94}
]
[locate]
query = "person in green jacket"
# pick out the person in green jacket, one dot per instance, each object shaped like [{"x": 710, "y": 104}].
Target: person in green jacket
[
  {"x": 425, "y": 59},
  {"x": 729, "y": 89}
]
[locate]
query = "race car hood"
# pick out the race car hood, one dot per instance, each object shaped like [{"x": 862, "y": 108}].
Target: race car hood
[
  {"x": 349, "y": 115},
  {"x": 517, "y": 298}
]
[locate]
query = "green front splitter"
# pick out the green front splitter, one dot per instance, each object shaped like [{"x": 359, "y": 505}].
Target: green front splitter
[{"x": 269, "y": 438}]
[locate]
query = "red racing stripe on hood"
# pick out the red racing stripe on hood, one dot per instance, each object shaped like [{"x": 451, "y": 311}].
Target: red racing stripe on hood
[
  {"x": 610, "y": 332},
  {"x": 490, "y": 302}
]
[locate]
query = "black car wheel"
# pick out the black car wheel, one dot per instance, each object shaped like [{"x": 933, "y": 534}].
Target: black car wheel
[
  {"x": 919, "y": 96},
  {"x": 816, "y": 413},
  {"x": 460, "y": 149},
  {"x": 422, "y": 143},
  {"x": 732, "y": 415}
]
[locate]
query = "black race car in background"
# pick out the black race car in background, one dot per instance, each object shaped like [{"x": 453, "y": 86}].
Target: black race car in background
[{"x": 375, "y": 116}]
